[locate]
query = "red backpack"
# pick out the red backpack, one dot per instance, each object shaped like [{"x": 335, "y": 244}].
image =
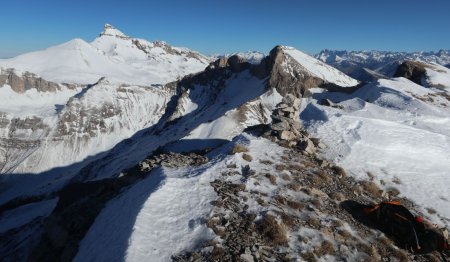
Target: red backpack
[{"x": 407, "y": 230}]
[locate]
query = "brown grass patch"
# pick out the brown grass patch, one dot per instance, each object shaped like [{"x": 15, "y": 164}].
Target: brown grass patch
[
  {"x": 288, "y": 220},
  {"x": 323, "y": 176},
  {"x": 295, "y": 205},
  {"x": 280, "y": 199},
  {"x": 339, "y": 171},
  {"x": 272, "y": 179},
  {"x": 371, "y": 188},
  {"x": 266, "y": 162},
  {"x": 217, "y": 253},
  {"x": 326, "y": 248},
  {"x": 392, "y": 191},
  {"x": 316, "y": 202},
  {"x": 238, "y": 148},
  {"x": 295, "y": 186},
  {"x": 338, "y": 196},
  {"x": 309, "y": 257},
  {"x": 313, "y": 222},
  {"x": 344, "y": 233},
  {"x": 279, "y": 167},
  {"x": 296, "y": 167},
  {"x": 274, "y": 233},
  {"x": 247, "y": 157},
  {"x": 285, "y": 177},
  {"x": 232, "y": 165},
  {"x": 260, "y": 201}
]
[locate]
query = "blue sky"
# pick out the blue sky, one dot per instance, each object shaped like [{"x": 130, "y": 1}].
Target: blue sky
[{"x": 211, "y": 26}]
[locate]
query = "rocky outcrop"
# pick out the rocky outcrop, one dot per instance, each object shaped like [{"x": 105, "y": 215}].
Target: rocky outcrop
[
  {"x": 412, "y": 70},
  {"x": 27, "y": 81},
  {"x": 172, "y": 160},
  {"x": 21, "y": 137},
  {"x": 109, "y": 30},
  {"x": 235, "y": 63},
  {"x": 274, "y": 67}
]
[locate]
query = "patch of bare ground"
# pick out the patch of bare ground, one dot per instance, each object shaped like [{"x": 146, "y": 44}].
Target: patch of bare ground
[{"x": 301, "y": 218}]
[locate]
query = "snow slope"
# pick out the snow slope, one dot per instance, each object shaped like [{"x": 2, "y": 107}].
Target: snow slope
[
  {"x": 77, "y": 62},
  {"x": 438, "y": 76},
  {"x": 394, "y": 131},
  {"x": 73, "y": 125},
  {"x": 113, "y": 55},
  {"x": 172, "y": 205},
  {"x": 33, "y": 102},
  {"x": 319, "y": 69}
]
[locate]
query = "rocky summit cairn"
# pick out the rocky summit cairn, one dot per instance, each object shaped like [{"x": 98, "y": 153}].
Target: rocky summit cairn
[{"x": 286, "y": 128}]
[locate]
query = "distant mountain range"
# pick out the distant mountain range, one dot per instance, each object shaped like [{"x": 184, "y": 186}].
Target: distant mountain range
[{"x": 370, "y": 65}]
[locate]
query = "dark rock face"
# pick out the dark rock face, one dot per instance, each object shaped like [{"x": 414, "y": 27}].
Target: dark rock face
[
  {"x": 27, "y": 81},
  {"x": 412, "y": 70},
  {"x": 281, "y": 80},
  {"x": 448, "y": 66},
  {"x": 235, "y": 63}
]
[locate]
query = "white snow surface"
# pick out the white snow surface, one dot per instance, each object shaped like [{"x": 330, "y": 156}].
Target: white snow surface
[
  {"x": 384, "y": 130},
  {"x": 165, "y": 213},
  {"x": 112, "y": 55},
  {"x": 33, "y": 102},
  {"x": 320, "y": 69},
  {"x": 438, "y": 76}
]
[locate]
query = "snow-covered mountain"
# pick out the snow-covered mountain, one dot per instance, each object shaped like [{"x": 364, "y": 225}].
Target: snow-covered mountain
[
  {"x": 47, "y": 123},
  {"x": 113, "y": 55},
  {"x": 369, "y": 65},
  {"x": 219, "y": 165}
]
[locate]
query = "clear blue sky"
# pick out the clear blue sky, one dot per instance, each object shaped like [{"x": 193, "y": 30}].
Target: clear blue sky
[{"x": 212, "y": 26}]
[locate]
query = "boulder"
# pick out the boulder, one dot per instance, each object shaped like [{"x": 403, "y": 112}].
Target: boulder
[
  {"x": 412, "y": 70},
  {"x": 306, "y": 145},
  {"x": 280, "y": 126},
  {"x": 288, "y": 109},
  {"x": 286, "y": 135}
]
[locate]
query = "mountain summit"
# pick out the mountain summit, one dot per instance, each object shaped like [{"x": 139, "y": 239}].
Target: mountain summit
[
  {"x": 113, "y": 55},
  {"x": 110, "y": 30}
]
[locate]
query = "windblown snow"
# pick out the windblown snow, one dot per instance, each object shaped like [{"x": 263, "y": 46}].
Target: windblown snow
[
  {"x": 393, "y": 130},
  {"x": 319, "y": 69}
]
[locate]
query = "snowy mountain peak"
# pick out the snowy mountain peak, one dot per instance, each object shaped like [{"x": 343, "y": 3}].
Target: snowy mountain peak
[
  {"x": 318, "y": 68},
  {"x": 110, "y": 30}
]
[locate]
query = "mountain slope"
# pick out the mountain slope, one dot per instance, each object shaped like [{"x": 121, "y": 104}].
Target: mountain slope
[
  {"x": 113, "y": 55},
  {"x": 395, "y": 130},
  {"x": 219, "y": 165}
]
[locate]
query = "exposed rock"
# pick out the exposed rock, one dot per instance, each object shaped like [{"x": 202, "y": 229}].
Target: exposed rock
[
  {"x": 235, "y": 63},
  {"x": 286, "y": 135},
  {"x": 328, "y": 102},
  {"x": 295, "y": 82},
  {"x": 27, "y": 81},
  {"x": 172, "y": 160},
  {"x": 306, "y": 145},
  {"x": 412, "y": 70}
]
